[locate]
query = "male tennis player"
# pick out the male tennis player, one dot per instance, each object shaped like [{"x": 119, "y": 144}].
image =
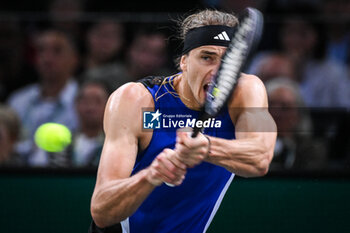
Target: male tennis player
[{"x": 136, "y": 163}]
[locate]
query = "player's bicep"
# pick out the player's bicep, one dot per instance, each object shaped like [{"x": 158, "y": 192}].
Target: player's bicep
[
  {"x": 254, "y": 122},
  {"x": 250, "y": 110},
  {"x": 122, "y": 133},
  {"x": 117, "y": 158}
]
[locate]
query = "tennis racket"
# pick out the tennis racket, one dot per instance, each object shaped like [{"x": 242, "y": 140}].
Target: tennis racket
[{"x": 242, "y": 45}]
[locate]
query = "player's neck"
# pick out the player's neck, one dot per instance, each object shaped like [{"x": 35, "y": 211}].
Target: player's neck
[{"x": 185, "y": 93}]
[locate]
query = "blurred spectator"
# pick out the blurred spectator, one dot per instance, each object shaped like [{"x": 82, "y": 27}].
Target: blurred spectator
[
  {"x": 274, "y": 65},
  {"x": 146, "y": 55},
  {"x": 88, "y": 140},
  {"x": 295, "y": 148},
  {"x": 9, "y": 135},
  {"x": 14, "y": 71},
  {"x": 336, "y": 13},
  {"x": 67, "y": 16},
  {"x": 104, "y": 43},
  {"x": 323, "y": 83},
  {"x": 52, "y": 99},
  {"x": 64, "y": 15}
]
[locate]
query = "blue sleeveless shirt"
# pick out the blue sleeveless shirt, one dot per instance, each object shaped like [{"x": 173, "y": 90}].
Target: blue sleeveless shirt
[{"x": 190, "y": 207}]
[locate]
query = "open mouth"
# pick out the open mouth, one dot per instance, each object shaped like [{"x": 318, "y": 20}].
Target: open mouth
[{"x": 208, "y": 86}]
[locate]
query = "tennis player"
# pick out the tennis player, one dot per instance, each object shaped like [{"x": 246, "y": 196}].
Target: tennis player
[{"x": 137, "y": 163}]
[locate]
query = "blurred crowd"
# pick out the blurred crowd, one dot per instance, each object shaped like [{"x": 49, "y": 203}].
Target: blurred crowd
[{"x": 63, "y": 66}]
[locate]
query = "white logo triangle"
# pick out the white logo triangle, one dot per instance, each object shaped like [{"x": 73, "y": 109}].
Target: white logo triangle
[{"x": 222, "y": 36}]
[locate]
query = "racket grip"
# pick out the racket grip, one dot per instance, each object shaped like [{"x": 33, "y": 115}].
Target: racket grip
[
  {"x": 195, "y": 132},
  {"x": 203, "y": 116}
]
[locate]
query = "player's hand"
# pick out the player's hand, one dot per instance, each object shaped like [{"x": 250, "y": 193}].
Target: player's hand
[
  {"x": 191, "y": 151},
  {"x": 167, "y": 168}
]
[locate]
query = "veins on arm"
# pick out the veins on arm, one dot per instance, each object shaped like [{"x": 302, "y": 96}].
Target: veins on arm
[
  {"x": 251, "y": 152},
  {"x": 117, "y": 194}
]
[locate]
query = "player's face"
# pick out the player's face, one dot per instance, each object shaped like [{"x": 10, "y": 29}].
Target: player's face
[{"x": 199, "y": 68}]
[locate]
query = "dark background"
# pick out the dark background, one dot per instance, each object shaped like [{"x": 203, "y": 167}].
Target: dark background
[{"x": 56, "y": 203}]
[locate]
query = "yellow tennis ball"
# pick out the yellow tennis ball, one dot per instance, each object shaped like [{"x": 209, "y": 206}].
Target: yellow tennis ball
[
  {"x": 216, "y": 91},
  {"x": 52, "y": 137}
]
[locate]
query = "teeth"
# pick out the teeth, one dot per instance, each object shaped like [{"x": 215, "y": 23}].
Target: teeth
[{"x": 210, "y": 84}]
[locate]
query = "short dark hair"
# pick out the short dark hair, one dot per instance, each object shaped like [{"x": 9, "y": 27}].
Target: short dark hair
[
  {"x": 70, "y": 38},
  {"x": 95, "y": 81}
]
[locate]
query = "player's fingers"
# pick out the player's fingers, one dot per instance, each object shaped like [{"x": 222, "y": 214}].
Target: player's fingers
[
  {"x": 182, "y": 151},
  {"x": 163, "y": 178},
  {"x": 185, "y": 152},
  {"x": 181, "y": 136},
  {"x": 186, "y": 139},
  {"x": 168, "y": 168},
  {"x": 179, "y": 181},
  {"x": 174, "y": 158},
  {"x": 154, "y": 176},
  {"x": 190, "y": 157},
  {"x": 163, "y": 169}
]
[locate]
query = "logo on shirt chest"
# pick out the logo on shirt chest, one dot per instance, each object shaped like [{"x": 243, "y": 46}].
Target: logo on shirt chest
[{"x": 151, "y": 120}]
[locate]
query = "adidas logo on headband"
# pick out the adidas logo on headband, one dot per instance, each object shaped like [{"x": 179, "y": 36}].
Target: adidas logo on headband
[
  {"x": 208, "y": 35},
  {"x": 222, "y": 36}
]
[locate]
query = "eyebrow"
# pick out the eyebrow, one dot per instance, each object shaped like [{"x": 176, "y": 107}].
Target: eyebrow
[{"x": 208, "y": 52}]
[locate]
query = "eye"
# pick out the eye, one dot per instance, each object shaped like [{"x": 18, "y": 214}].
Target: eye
[{"x": 207, "y": 58}]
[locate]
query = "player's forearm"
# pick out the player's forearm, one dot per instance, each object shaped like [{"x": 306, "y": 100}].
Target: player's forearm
[
  {"x": 119, "y": 199},
  {"x": 245, "y": 157}
]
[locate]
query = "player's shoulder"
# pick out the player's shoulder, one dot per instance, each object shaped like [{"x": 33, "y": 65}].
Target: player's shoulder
[
  {"x": 249, "y": 81},
  {"x": 249, "y": 84},
  {"x": 134, "y": 93},
  {"x": 249, "y": 92},
  {"x": 127, "y": 102},
  {"x": 125, "y": 106}
]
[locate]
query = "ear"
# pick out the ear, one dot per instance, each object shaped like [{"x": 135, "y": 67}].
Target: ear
[{"x": 183, "y": 63}]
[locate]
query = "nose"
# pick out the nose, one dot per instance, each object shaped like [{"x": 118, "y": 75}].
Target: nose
[{"x": 214, "y": 70}]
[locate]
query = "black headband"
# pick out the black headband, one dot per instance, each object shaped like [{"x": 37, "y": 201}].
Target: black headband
[{"x": 208, "y": 35}]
